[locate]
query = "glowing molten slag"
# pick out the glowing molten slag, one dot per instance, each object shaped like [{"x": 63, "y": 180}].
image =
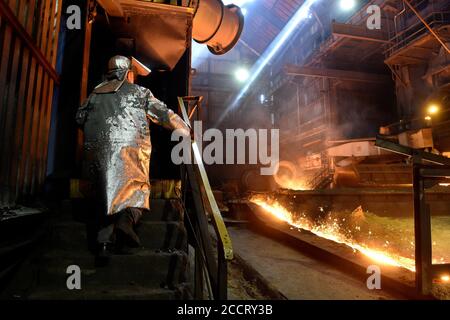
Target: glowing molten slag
[
  {"x": 331, "y": 231},
  {"x": 288, "y": 177}
]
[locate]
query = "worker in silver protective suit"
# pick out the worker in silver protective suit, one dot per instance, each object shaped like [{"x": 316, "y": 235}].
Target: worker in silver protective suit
[{"x": 117, "y": 148}]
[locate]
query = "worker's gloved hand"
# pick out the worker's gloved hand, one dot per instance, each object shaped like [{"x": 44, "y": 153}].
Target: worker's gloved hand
[{"x": 176, "y": 123}]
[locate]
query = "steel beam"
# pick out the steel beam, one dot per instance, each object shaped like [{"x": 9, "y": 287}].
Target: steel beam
[
  {"x": 435, "y": 173},
  {"x": 407, "y": 151},
  {"x": 294, "y": 70},
  {"x": 351, "y": 31}
]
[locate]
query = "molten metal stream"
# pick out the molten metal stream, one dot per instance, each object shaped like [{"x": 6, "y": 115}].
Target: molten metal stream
[{"x": 331, "y": 232}]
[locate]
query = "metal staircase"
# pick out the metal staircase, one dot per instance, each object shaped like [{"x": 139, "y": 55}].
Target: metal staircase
[
  {"x": 160, "y": 269},
  {"x": 323, "y": 177}
]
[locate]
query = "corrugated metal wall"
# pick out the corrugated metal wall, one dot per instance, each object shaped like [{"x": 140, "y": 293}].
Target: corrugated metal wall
[{"x": 28, "y": 48}]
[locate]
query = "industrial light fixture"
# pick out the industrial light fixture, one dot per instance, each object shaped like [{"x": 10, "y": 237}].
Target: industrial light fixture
[
  {"x": 262, "y": 98},
  {"x": 280, "y": 40},
  {"x": 432, "y": 109},
  {"x": 241, "y": 74},
  {"x": 347, "y": 5}
]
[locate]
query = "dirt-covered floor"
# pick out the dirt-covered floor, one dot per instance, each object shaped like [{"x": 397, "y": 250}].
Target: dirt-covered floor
[{"x": 240, "y": 287}]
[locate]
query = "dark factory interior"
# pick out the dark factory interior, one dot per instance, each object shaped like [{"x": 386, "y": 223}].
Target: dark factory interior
[{"x": 225, "y": 150}]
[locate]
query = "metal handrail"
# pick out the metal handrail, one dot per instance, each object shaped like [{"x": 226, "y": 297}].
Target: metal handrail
[
  {"x": 320, "y": 177},
  {"x": 202, "y": 189},
  {"x": 399, "y": 40},
  {"x": 424, "y": 176},
  {"x": 222, "y": 232}
]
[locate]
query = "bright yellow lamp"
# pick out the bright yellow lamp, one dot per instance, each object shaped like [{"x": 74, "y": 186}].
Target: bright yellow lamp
[{"x": 432, "y": 109}]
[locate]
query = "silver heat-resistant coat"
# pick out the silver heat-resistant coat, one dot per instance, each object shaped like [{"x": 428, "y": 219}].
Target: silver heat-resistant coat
[{"x": 117, "y": 144}]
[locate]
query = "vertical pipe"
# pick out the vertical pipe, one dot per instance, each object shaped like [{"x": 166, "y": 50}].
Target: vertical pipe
[
  {"x": 4, "y": 67},
  {"x": 39, "y": 96},
  {"x": 9, "y": 102},
  {"x": 84, "y": 75},
  {"x": 18, "y": 130},
  {"x": 86, "y": 52},
  {"x": 11, "y": 113},
  {"x": 34, "y": 126},
  {"x": 47, "y": 102},
  {"x": 26, "y": 125},
  {"x": 422, "y": 232},
  {"x": 51, "y": 90},
  {"x": 40, "y": 141},
  {"x": 27, "y": 76},
  {"x": 22, "y": 79},
  {"x": 298, "y": 109}
]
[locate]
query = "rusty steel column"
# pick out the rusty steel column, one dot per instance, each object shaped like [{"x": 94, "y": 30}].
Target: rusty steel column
[
  {"x": 27, "y": 77},
  {"x": 422, "y": 232},
  {"x": 90, "y": 7}
]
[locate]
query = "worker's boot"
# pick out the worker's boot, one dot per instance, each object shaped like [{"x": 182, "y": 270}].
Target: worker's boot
[
  {"x": 104, "y": 245},
  {"x": 124, "y": 229},
  {"x": 103, "y": 254}
]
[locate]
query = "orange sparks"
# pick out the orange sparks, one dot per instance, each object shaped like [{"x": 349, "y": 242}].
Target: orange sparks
[{"x": 330, "y": 232}]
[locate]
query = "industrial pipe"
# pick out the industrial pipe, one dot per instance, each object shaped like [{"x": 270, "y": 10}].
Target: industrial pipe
[{"x": 216, "y": 25}]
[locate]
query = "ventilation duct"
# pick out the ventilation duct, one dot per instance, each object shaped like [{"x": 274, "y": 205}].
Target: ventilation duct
[
  {"x": 216, "y": 25},
  {"x": 161, "y": 32}
]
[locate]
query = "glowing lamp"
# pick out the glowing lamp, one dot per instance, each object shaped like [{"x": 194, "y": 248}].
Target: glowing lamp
[
  {"x": 432, "y": 109},
  {"x": 347, "y": 5},
  {"x": 241, "y": 74}
]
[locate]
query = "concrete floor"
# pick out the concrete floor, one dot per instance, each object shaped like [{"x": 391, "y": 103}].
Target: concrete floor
[{"x": 296, "y": 275}]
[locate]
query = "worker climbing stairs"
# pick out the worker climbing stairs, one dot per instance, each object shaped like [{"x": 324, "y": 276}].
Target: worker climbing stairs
[
  {"x": 178, "y": 258},
  {"x": 157, "y": 270}
]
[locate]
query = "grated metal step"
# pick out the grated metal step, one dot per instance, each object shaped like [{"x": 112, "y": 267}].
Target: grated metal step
[
  {"x": 116, "y": 293},
  {"x": 145, "y": 267},
  {"x": 158, "y": 270}
]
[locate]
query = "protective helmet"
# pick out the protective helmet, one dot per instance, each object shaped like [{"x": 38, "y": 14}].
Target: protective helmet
[
  {"x": 117, "y": 63},
  {"x": 118, "y": 68}
]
